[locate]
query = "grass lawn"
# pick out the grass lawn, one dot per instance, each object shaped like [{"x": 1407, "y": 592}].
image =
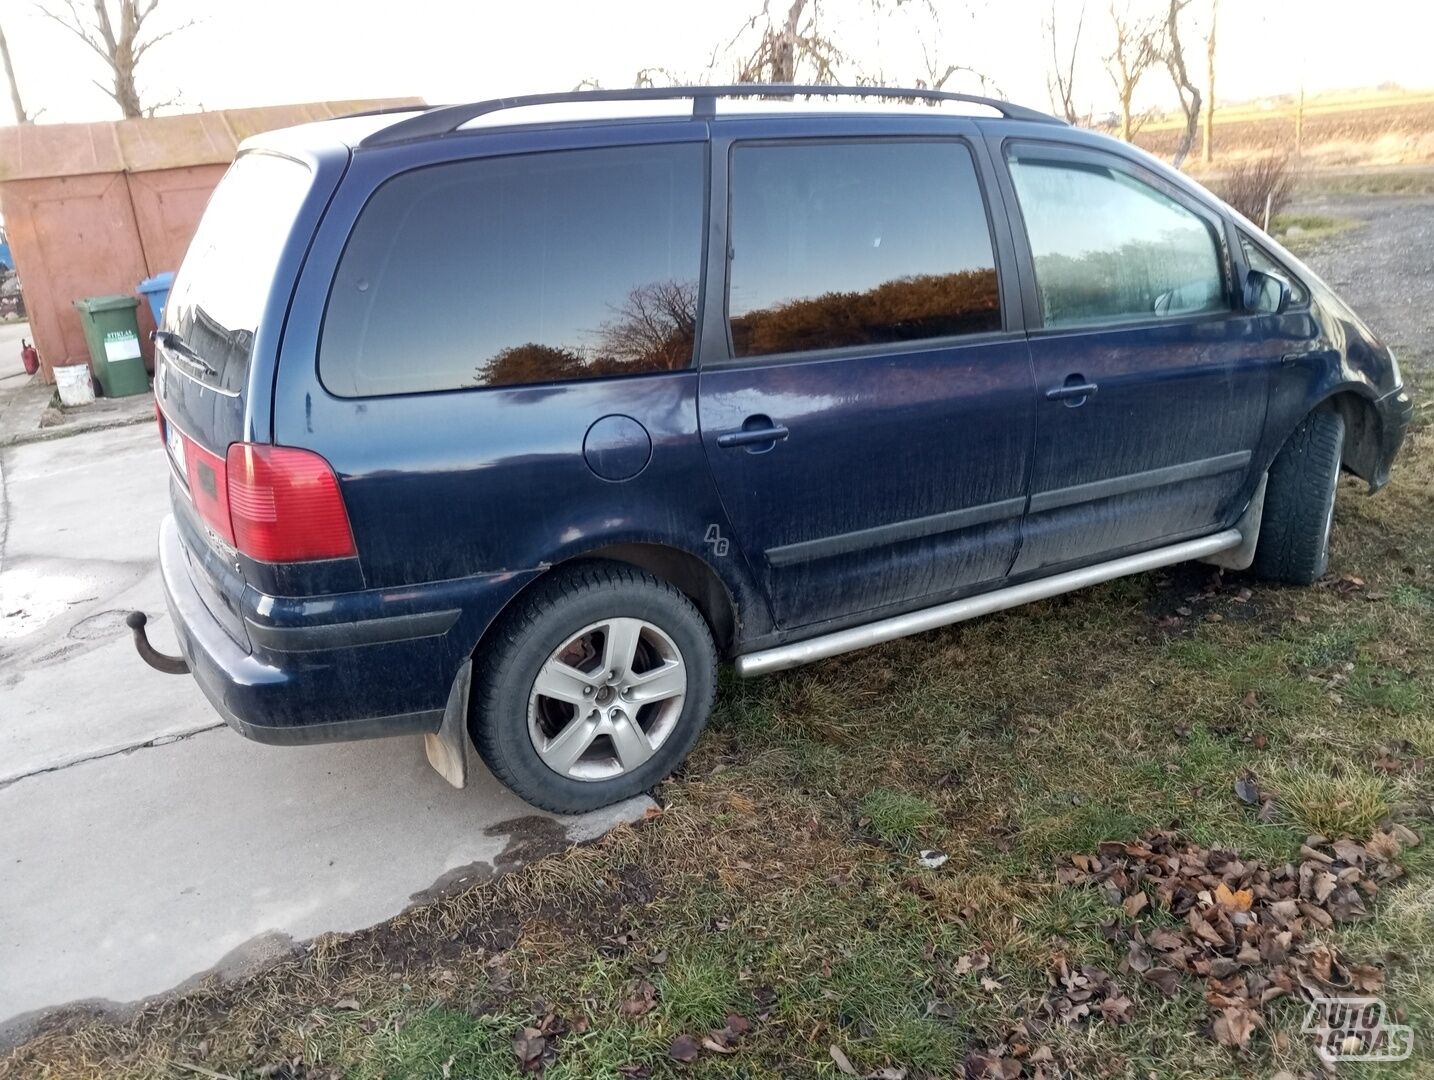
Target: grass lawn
[
  {"x": 784, "y": 883},
  {"x": 1301, "y": 233}
]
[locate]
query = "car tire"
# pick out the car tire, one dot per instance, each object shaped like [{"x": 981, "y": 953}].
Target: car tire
[
  {"x": 1299, "y": 501},
  {"x": 545, "y": 673}
]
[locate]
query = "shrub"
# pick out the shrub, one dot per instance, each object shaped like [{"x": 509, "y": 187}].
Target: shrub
[{"x": 1247, "y": 185}]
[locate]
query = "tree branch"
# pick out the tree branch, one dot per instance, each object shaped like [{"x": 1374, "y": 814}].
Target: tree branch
[
  {"x": 144, "y": 46},
  {"x": 77, "y": 28},
  {"x": 102, "y": 21}
]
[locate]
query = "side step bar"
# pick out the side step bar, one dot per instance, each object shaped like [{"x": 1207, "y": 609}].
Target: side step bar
[{"x": 798, "y": 653}]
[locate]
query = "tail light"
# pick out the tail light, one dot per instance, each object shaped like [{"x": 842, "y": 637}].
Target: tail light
[
  {"x": 285, "y": 506},
  {"x": 273, "y": 503}
]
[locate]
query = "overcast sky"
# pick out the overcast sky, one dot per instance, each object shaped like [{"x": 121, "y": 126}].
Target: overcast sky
[{"x": 263, "y": 52}]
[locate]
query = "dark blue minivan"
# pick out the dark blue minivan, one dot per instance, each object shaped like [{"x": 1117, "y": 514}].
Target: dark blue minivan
[{"x": 503, "y": 423}]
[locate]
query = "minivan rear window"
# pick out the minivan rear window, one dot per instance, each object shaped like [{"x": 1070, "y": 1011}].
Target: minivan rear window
[
  {"x": 535, "y": 268},
  {"x": 218, "y": 295}
]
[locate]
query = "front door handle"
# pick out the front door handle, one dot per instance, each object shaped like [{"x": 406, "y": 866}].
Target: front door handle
[
  {"x": 1073, "y": 391},
  {"x": 757, "y": 433}
]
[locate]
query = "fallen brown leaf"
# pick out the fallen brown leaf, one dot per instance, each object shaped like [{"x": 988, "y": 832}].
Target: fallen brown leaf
[
  {"x": 1234, "y": 1026},
  {"x": 684, "y": 1048},
  {"x": 643, "y": 1000},
  {"x": 1167, "y": 979},
  {"x": 738, "y": 1024},
  {"x": 529, "y": 1047},
  {"x": 1236, "y": 900}
]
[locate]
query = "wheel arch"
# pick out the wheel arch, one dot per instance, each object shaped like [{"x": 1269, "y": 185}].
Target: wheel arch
[
  {"x": 689, "y": 574},
  {"x": 1363, "y": 428},
  {"x": 685, "y": 571},
  {"x": 1363, "y": 432}
]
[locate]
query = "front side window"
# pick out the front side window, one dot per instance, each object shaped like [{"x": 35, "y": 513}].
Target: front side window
[
  {"x": 1109, "y": 248},
  {"x": 857, "y": 243},
  {"x": 1257, "y": 259},
  {"x": 529, "y": 269}
]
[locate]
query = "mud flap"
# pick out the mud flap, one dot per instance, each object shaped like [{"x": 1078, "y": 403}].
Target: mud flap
[
  {"x": 1243, "y": 556},
  {"x": 447, "y": 748}
]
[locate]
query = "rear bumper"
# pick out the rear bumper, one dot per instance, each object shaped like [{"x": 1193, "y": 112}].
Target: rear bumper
[{"x": 308, "y": 681}]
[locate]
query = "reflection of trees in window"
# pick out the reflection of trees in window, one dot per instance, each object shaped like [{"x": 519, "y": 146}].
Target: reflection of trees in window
[
  {"x": 654, "y": 327},
  {"x": 904, "y": 309},
  {"x": 653, "y": 330},
  {"x": 1129, "y": 280}
]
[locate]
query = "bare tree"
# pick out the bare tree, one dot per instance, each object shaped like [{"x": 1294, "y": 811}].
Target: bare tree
[
  {"x": 937, "y": 74},
  {"x": 1188, "y": 92},
  {"x": 786, "y": 44},
  {"x": 793, "y": 45},
  {"x": 120, "y": 42},
  {"x": 1138, "y": 48},
  {"x": 1208, "y": 136},
  {"x": 1060, "y": 83},
  {"x": 21, "y": 116}
]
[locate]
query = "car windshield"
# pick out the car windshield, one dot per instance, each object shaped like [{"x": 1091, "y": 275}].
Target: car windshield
[{"x": 220, "y": 291}]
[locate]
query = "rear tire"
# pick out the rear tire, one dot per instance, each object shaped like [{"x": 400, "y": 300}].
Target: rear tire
[
  {"x": 594, "y": 688},
  {"x": 1299, "y": 502}
]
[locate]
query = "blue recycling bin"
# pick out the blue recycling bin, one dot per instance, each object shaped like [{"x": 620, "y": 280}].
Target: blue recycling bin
[{"x": 156, "y": 291}]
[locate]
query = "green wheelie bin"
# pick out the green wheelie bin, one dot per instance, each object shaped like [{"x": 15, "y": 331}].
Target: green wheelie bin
[{"x": 113, "y": 337}]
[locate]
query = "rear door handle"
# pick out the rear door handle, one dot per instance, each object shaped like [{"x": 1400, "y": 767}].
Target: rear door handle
[
  {"x": 1072, "y": 391},
  {"x": 755, "y": 431}
]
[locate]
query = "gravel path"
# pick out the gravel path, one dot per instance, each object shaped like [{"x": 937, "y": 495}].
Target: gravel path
[{"x": 1384, "y": 268}]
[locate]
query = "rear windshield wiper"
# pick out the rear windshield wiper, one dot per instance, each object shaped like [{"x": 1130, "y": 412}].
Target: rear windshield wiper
[{"x": 172, "y": 342}]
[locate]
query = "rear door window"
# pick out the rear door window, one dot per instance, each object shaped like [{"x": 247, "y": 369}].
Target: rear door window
[
  {"x": 1109, "y": 248},
  {"x": 536, "y": 268},
  {"x": 854, "y": 243},
  {"x": 219, "y": 293}
]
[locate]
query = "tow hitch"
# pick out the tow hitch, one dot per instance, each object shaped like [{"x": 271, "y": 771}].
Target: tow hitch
[{"x": 170, "y": 665}]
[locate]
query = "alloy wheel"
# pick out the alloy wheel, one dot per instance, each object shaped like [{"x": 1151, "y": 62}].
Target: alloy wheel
[{"x": 606, "y": 699}]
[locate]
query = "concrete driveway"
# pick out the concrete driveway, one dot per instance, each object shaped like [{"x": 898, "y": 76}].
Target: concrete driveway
[{"x": 143, "y": 842}]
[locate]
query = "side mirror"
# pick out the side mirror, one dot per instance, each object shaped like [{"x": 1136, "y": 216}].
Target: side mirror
[{"x": 1265, "y": 293}]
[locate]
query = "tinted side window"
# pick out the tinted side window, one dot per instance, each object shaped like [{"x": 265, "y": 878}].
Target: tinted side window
[
  {"x": 1110, "y": 248},
  {"x": 526, "y": 269},
  {"x": 857, "y": 243}
]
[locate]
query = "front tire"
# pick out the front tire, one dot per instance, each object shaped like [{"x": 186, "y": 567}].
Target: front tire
[
  {"x": 1299, "y": 502},
  {"x": 594, "y": 688}
]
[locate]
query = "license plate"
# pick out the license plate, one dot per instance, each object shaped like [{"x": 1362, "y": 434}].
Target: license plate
[{"x": 175, "y": 441}]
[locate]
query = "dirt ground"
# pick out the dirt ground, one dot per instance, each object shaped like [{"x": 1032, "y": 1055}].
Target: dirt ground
[{"x": 1384, "y": 267}]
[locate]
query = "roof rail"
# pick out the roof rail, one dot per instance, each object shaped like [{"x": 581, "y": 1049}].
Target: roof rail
[
  {"x": 446, "y": 119},
  {"x": 384, "y": 110}
]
